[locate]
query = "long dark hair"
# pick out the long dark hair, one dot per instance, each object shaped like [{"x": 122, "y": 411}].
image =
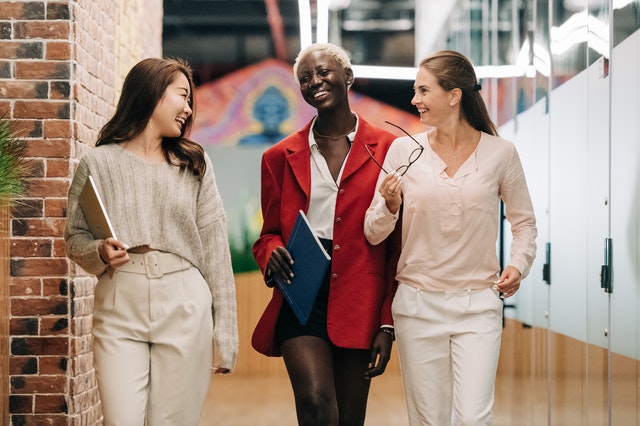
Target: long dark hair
[
  {"x": 143, "y": 88},
  {"x": 454, "y": 70}
]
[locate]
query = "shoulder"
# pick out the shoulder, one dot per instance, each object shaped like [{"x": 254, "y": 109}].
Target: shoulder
[
  {"x": 97, "y": 155},
  {"x": 296, "y": 141},
  {"x": 369, "y": 131}
]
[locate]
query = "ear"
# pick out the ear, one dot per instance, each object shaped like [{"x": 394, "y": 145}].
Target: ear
[
  {"x": 350, "y": 78},
  {"x": 454, "y": 96}
]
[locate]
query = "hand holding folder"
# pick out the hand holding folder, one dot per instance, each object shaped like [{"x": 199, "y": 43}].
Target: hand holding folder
[
  {"x": 310, "y": 262},
  {"x": 94, "y": 211}
]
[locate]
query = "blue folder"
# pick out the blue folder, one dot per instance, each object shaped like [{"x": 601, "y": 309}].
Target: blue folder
[{"x": 310, "y": 262}]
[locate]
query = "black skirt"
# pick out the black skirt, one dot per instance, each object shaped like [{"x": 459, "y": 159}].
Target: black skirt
[{"x": 289, "y": 326}]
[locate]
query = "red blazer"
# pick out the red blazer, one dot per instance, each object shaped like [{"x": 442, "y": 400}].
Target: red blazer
[{"x": 362, "y": 276}]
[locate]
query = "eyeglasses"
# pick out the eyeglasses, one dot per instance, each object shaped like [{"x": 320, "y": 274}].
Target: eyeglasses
[{"x": 413, "y": 157}]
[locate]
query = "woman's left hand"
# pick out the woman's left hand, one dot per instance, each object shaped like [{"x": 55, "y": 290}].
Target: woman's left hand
[{"x": 509, "y": 281}]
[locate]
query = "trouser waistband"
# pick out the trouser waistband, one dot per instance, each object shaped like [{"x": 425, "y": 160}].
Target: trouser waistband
[{"x": 154, "y": 264}]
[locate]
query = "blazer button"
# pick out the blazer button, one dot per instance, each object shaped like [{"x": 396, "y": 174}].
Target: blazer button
[
  {"x": 336, "y": 247},
  {"x": 338, "y": 219},
  {"x": 341, "y": 191},
  {"x": 334, "y": 276}
]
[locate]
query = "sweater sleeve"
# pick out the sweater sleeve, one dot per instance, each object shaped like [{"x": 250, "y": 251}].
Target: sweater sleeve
[
  {"x": 81, "y": 247},
  {"x": 217, "y": 269}
]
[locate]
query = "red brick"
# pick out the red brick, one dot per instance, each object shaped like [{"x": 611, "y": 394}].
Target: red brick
[
  {"x": 37, "y": 419},
  {"x": 58, "y": 50},
  {"x": 59, "y": 248},
  {"x": 16, "y": 89},
  {"x": 60, "y": 90},
  {"x": 55, "y": 207},
  {"x": 21, "y": 50},
  {"x": 5, "y": 109},
  {"x": 48, "y": 188},
  {"x": 38, "y": 268},
  {"x": 55, "y": 287},
  {"x": 27, "y": 128},
  {"x": 31, "y": 247},
  {"x": 47, "y": 227},
  {"x": 21, "y": 404},
  {"x": 35, "y": 167},
  {"x": 52, "y": 364},
  {"x": 42, "y": 70},
  {"x": 30, "y": 306},
  {"x": 52, "y": 30},
  {"x": 20, "y": 10},
  {"x": 54, "y": 326},
  {"x": 39, "y": 345},
  {"x": 24, "y": 326},
  {"x": 51, "y": 404},
  {"x": 41, "y": 109},
  {"x": 37, "y": 384},
  {"x": 28, "y": 207},
  {"x": 25, "y": 286},
  {"x": 48, "y": 148},
  {"x": 22, "y": 365},
  {"x": 57, "y": 129},
  {"x": 58, "y": 10}
]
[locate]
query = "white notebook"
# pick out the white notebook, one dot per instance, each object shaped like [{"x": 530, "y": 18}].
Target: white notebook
[{"x": 94, "y": 211}]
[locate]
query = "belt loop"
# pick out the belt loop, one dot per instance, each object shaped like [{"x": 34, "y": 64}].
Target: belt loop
[{"x": 152, "y": 265}]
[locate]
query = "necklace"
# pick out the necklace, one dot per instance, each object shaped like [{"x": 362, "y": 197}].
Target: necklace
[
  {"x": 315, "y": 132},
  {"x": 453, "y": 154}
]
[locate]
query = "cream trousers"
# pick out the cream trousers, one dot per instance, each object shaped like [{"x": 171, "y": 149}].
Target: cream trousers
[
  {"x": 152, "y": 342},
  {"x": 448, "y": 346}
]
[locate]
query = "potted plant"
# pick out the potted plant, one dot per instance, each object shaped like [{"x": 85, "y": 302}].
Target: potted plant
[
  {"x": 13, "y": 170},
  {"x": 13, "y": 167}
]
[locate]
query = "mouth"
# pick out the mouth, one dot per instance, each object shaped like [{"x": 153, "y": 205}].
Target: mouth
[
  {"x": 319, "y": 94},
  {"x": 181, "y": 121}
]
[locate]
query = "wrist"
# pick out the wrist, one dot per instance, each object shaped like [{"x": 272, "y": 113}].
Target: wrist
[{"x": 388, "y": 330}]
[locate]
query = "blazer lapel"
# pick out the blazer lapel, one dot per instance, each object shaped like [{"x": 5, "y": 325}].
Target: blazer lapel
[
  {"x": 358, "y": 155},
  {"x": 299, "y": 160}
]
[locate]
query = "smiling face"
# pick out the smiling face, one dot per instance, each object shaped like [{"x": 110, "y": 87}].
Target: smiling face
[
  {"x": 173, "y": 109},
  {"x": 323, "y": 81},
  {"x": 433, "y": 102}
]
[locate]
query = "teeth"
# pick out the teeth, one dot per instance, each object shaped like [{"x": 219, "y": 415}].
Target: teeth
[{"x": 320, "y": 93}]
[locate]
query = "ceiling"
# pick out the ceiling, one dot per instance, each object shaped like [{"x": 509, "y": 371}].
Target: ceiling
[{"x": 220, "y": 36}]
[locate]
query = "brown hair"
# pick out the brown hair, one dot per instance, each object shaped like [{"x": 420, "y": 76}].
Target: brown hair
[
  {"x": 454, "y": 70},
  {"x": 143, "y": 87}
]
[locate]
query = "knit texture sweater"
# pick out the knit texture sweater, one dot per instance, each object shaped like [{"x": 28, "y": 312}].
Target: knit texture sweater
[{"x": 156, "y": 205}]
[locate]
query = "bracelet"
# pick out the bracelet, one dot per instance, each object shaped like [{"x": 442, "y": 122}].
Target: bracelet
[{"x": 389, "y": 331}]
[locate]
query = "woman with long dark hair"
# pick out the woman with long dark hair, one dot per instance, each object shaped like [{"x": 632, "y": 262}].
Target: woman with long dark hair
[{"x": 170, "y": 267}]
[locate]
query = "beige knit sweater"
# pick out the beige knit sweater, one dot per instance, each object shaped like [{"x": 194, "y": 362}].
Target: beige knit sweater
[{"x": 154, "y": 204}]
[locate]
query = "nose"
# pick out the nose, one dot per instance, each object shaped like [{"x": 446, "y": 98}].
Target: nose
[
  {"x": 315, "y": 79},
  {"x": 415, "y": 100},
  {"x": 187, "y": 108}
]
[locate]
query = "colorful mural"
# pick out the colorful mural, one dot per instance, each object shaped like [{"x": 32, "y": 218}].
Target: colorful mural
[{"x": 240, "y": 115}]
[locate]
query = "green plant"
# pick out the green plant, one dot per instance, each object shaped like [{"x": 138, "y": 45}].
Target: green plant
[{"x": 13, "y": 166}]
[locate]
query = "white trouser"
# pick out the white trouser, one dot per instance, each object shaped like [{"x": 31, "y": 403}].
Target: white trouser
[
  {"x": 448, "y": 345},
  {"x": 152, "y": 343}
]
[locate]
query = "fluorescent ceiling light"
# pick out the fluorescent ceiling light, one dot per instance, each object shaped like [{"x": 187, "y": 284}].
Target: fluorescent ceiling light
[{"x": 304, "y": 9}]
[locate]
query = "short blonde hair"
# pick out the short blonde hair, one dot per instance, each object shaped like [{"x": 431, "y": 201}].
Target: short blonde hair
[{"x": 330, "y": 49}]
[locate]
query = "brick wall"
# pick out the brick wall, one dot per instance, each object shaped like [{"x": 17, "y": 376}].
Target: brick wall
[{"x": 61, "y": 66}]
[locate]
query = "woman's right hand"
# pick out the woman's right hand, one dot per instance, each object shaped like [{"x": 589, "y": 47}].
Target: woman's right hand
[
  {"x": 391, "y": 191},
  {"x": 113, "y": 252},
  {"x": 279, "y": 265}
]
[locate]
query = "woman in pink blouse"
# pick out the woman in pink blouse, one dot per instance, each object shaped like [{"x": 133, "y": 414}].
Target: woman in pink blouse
[{"x": 448, "y": 307}]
